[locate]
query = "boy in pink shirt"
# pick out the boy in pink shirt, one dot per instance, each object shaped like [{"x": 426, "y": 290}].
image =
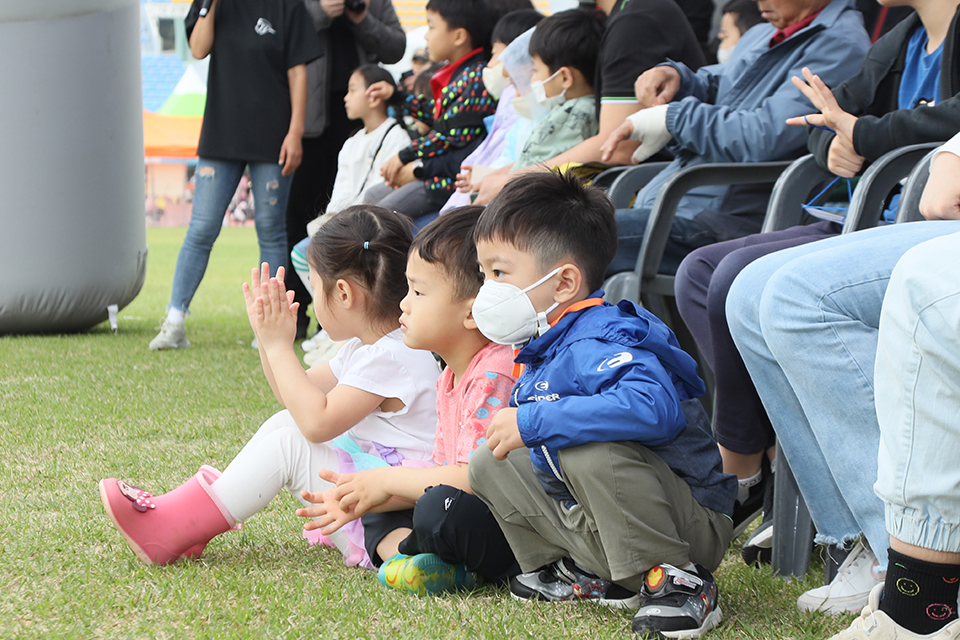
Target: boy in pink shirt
[{"x": 423, "y": 526}]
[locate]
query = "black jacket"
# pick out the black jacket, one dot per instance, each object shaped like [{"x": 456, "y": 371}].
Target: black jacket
[{"x": 871, "y": 95}]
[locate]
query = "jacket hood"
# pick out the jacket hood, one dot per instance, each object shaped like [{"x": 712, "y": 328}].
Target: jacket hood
[{"x": 624, "y": 323}]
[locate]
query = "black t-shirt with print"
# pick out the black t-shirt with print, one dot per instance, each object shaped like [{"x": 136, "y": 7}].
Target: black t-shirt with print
[
  {"x": 255, "y": 42},
  {"x": 641, "y": 34}
]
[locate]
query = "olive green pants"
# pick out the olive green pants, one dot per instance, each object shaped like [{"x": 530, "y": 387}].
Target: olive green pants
[{"x": 633, "y": 512}]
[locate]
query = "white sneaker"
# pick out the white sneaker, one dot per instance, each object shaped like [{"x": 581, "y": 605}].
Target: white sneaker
[
  {"x": 311, "y": 344},
  {"x": 877, "y": 625},
  {"x": 849, "y": 591},
  {"x": 323, "y": 352},
  {"x": 173, "y": 335}
]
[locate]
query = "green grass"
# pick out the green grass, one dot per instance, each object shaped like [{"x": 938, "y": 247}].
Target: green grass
[{"x": 77, "y": 408}]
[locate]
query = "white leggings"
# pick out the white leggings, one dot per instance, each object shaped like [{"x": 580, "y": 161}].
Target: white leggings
[{"x": 277, "y": 456}]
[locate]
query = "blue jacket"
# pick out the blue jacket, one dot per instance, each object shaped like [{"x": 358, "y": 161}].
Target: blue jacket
[
  {"x": 736, "y": 112},
  {"x": 616, "y": 373}
]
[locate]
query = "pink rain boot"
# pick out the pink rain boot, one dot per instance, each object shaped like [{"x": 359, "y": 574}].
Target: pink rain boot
[{"x": 162, "y": 529}]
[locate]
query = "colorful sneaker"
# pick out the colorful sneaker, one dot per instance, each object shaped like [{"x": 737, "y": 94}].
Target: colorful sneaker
[
  {"x": 173, "y": 335},
  {"x": 874, "y": 624},
  {"x": 677, "y": 604},
  {"x": 425, "y": 574},
  {"x": 849, "y": 591},
  {"x": 565, "y": 581}
]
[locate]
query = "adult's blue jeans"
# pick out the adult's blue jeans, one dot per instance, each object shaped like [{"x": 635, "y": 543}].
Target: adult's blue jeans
[
  {"x": 216, "y": 182},
  {"x": 805, "y": 322},
  {"x": 918, "y": 397}
]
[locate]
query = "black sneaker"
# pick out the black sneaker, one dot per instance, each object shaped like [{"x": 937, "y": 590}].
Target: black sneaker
[
  {"x": 760, "y": 501},
  {"x": 758, "y": 549},
  {"x": 565, "y": 581},
  {"x": 677, "y": 604}
]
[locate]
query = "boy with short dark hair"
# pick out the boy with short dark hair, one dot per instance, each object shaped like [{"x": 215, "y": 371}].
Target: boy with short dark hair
[
  {"x": 619, "y": 489},
  {"x": 564, "y": 48},
  {"x": 422, "y": 526},
  {"x": 423, "y": 174}
]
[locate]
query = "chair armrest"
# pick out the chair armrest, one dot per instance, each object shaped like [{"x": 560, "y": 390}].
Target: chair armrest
[
  {"x": 878, "y": 180},
  {"x": 792, "y": 190},
  {"x": 626, "y": 185},
  {"x": 909, "y": 208},
  {"x": 676, "y": 187}
]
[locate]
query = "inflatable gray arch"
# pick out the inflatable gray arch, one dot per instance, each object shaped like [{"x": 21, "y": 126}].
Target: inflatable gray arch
[{"x": 72, "y": 229}]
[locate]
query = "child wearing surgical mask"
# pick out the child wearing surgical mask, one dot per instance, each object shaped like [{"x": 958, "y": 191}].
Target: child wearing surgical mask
[
  {"x": 602, "y": 473},
  {"x": 738, "y": 17}
]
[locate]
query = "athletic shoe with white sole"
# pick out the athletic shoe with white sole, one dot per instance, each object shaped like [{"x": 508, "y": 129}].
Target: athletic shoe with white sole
[
  {"x": 565, "y": 581},
  {"x": 173, "y": 335},
  {"x": 849, "y": 591},
  {"x": 677, "y": 604},
  {"x": 874, "y": 624},
  {"x": 758, "y": 549}
]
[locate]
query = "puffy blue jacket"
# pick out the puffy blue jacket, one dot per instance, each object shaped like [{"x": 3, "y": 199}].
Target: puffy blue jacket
[
  {"x": 615, "y": 373},
  {"x": 736, "y": 112}
]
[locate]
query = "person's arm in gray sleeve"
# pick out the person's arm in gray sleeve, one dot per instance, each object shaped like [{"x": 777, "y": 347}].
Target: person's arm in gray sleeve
[{"x": 380, "y": 33}]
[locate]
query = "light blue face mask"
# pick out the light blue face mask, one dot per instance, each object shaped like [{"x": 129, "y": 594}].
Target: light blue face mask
[{"x": 504, "y": 313}]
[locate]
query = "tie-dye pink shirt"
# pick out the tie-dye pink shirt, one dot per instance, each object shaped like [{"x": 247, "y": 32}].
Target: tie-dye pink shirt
[{"x": 464, "y": 412}]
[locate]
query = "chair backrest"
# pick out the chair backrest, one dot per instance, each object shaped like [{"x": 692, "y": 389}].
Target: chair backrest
[
  {"x": 792, "y": 189},
  {"x": 909, "y": 208},
  {"x": 628, "y": 182},
  {"x": 870, "y": 196}
]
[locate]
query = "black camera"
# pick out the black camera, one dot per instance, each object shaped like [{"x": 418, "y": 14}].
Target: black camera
[{"x": 355, "y": 6}]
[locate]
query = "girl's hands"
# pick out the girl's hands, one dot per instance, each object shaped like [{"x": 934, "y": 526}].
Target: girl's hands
[
  {"x": 360, "y": 492},
  {"x": 272, "y": 314}
]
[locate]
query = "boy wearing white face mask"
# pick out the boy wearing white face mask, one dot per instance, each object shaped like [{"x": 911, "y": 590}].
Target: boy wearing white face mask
[
  {"x": 612, "y": 490},
  {"x": 564, "y": 49}
]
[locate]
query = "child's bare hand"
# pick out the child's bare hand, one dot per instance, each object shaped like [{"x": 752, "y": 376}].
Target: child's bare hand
[
  {"x": 503, "y": 435},
  {"x": 390, "y": 168},
  {"x": 276, "y": 313},
  {"x": 362, "y": 491},
  {"x": 463, "y": 179},
  {"x": 327, "y": 514},
  {"x": 382, "y": 90},
  {"x": 251, "y": 292}
]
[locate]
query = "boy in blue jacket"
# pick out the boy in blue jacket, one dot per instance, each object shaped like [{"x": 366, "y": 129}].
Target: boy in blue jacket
[{"x": 613, "y": 489}]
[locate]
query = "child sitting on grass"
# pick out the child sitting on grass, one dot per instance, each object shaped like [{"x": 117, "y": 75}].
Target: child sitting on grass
[
  {"x": 615, "y": 486},
  {"x": 377, "y": 396},
  {"x": 424, "y": 527}
]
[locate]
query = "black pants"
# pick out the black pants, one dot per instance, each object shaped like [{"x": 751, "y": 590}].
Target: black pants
[
  {"x": 703, "y": 281},
  {"x": 311, "y": 188},
  {"x": 451, "y": 523}
]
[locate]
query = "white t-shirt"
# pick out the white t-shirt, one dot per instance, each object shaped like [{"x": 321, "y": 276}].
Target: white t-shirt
[
  {"x": 391, "y": 369},
  {"x": 356, "y": 162}
]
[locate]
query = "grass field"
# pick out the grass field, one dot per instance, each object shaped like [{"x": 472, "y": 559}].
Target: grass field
[{"x": 77, "y": 408}]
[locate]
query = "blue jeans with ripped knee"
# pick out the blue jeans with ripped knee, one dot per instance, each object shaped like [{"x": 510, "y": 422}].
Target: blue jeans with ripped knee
[{"x": 217, "y": 181}]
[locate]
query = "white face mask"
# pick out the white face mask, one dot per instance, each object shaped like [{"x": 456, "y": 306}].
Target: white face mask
[
  {"x": 494, "y": 80},
  {"x": 724, "y": 55},
  {"x": 540, "y": 93},
  {"x": 504, "y": 313}
]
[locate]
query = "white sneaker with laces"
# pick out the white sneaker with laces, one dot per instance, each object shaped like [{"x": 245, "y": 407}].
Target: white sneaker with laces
[
  {"x": 318, "y": 339},
  {"x": 323, "y": 352},
  {"x": 173, "y": 335},
  {"x": 874, "y": 624},
  {"x": 849, "y": 591}
]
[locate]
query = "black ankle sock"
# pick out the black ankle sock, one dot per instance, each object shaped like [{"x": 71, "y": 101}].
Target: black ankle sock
[{"x": 920, "y": 596}]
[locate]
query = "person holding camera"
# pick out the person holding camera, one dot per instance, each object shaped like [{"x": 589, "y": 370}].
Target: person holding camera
[{"x": 351, "y": 33}]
